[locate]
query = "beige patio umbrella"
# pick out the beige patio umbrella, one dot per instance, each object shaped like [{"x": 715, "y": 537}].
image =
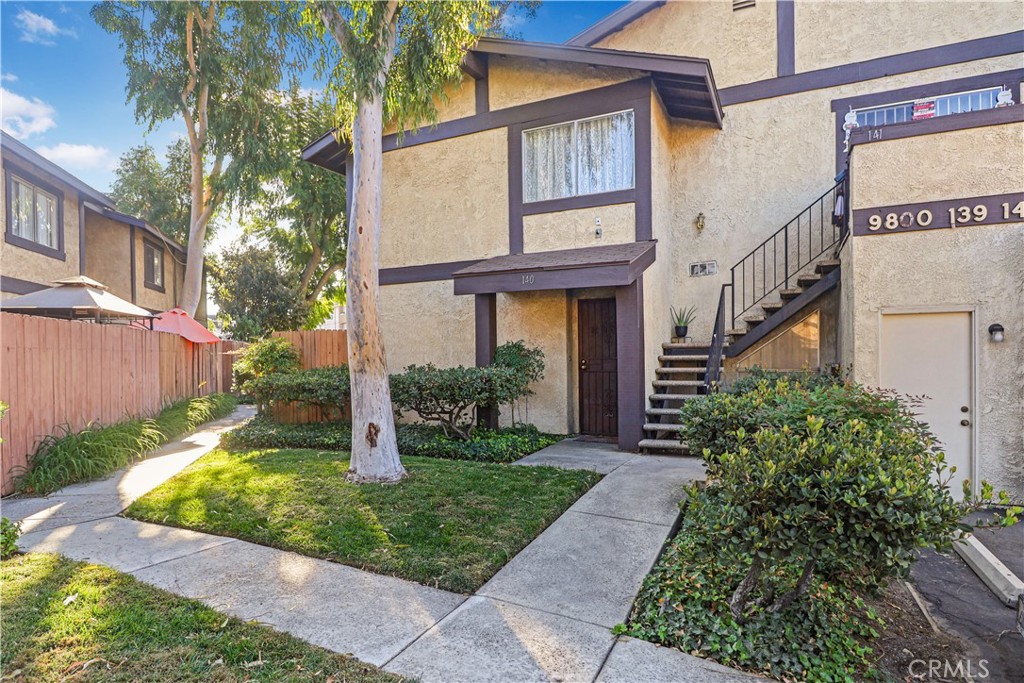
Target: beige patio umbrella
[{"x": 76, "y": 298}]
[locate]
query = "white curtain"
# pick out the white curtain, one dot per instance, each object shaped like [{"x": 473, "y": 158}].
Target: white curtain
[
  {"x": 548, "y": 160},
  {"x": 605, "y": 154},
  {"x": 21, "y": 211},
  {"x": 580, "y": 157},
  {"x": 46, "y": 216}
]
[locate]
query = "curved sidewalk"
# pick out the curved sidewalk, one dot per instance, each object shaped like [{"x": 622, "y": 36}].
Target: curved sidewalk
[{"x": 546, "y": 616}]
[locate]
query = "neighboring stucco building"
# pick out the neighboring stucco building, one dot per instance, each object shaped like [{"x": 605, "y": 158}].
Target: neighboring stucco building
[
  {"x": 56, "y": 226},
  {"x": 709, "y": 154}
]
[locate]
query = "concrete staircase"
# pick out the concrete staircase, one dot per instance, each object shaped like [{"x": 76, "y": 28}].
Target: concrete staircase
[
  {"x": 680, "y": 378},
  {"x": 774, "y": 311}
]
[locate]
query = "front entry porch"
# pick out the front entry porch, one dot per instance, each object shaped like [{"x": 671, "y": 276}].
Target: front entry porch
[{"x": 605, "y": 369}]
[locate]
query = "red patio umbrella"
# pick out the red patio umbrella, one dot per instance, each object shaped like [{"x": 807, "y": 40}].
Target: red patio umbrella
[{"x": 181, "y": 323}]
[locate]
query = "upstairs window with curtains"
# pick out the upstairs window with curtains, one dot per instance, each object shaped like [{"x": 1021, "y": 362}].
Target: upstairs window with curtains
[
  {"x": 587, "y": 156},
  {"x": 33, "y": 213}
]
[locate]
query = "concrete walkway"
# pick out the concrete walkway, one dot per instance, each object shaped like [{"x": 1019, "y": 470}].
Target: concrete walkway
[{"x": 546, "y": 616}]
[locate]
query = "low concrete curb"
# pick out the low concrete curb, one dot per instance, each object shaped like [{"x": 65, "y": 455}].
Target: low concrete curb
[{"x": 1000, "y": 580}]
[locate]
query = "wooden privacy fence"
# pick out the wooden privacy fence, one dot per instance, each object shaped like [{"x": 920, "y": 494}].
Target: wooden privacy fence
[
  {"x": 317, "y": 349},
  {"x": 59, "y": 372}
]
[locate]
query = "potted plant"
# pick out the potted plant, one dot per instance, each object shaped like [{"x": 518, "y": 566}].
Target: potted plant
[{"x": 682, "y": 318}]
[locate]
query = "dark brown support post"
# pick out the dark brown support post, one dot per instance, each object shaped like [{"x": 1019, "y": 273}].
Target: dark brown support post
[
  {"x": 131, "y": 256},
  {"x": 643, "y": 207},
  {"x": 486, "y": 315},
  {"x": 81, "y": 234},
  {"x": 785, "y": 37},
  {"x": 632, "y": 399}
]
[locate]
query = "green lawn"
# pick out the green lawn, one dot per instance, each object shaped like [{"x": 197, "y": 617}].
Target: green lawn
[
  {"x": 450, "y": 524},
  {"x": 65, "y": 620}
]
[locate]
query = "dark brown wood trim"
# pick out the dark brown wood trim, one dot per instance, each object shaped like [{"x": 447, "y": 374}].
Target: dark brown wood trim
[
  {"x": 1014, "y": 77},
  {"x": 571, "y": 278},
  {"x": 482, "y": 95},
  {"x": 81, "y": 234},
  {"x": 613, "y": 22},
  {"x": 429, "y": 272},
  {"x": 13, "y": 285},
  {"x": 785, "y": 38},
  {"x": 940, "y": 215},
  {"x": 906, "y": 62},
  {"x": 131, "y": 258},
  {"x": 475, "y": 65},
  {"x": 632, "y": 399},
  {"x": 515, "y": 189},
  {"x": 583, "y": 201},
  {"x": 575, "y": 105},
  {"x": 940, "y": 124},
  {"x": 18, "y": 241},
  {"x": 486, "y": 334},
  {"x": 642, "y": 210},
  {"x": 163, "y": 271}
]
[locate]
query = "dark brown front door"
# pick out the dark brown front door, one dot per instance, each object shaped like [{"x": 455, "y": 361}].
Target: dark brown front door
[{"x": 598, "y": 367}]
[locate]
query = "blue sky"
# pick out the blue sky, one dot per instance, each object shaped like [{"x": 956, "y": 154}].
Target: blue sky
[{"x": 63, "y": 81}]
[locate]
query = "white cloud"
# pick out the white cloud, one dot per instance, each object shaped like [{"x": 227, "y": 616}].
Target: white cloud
[
  {"x": 9, "y": 78},
  {"x": 35, "y": 28},
  {"x": 79, "y": 156},
  {"x": 23, "y": 117}
]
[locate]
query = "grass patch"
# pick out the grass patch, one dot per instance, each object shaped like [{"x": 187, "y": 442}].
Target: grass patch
[
  {"x": 450, "y": 524},
  {"x": 94, "y": 452},
  {"x": 502, "y": 445},
  {"x": 60, "y": 616}
]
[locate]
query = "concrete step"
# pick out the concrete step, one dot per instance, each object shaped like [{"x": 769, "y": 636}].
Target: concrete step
[
  {"x": 685, "y": 346},
  {"x": 681, "y": 371},
  {"x": 792, "y": 293},
  {"x": 683, "y": 357},
  {"x": 662, "y": 427},
  {"x": 673, "y": 397},
  {"x": 737, "y": 332},
  {"x": 808, "y": 280},
  {"x": 662, "y": 445},
  {"x": 664, "y": 412},
  {"x": 754, "y": 320},
  {"x": 827, "y": 266},
  {"x": 678, "y": 383},
  {"x": 772, "y": 306}
]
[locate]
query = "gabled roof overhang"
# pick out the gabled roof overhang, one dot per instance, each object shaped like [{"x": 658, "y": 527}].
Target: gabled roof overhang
[
  {"x": 614, "y": 22},
  {"x": 686, "y": 85},
  {"x": 613, "y": 265}
]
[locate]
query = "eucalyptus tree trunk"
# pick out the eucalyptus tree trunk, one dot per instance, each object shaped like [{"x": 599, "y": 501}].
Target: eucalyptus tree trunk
[{"x": 374, "y": 447}]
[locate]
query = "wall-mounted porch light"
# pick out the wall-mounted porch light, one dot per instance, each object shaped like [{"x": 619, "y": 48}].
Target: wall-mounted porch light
[
  {"x": 699, "y": 222},
  {"x": 995, "y": 331}
]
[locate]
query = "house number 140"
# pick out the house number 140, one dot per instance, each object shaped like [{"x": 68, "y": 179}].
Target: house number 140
[{"x": 528, "y": 279}]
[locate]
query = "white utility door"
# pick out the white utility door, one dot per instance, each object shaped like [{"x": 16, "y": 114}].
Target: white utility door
[{"x": 932, "y": 354}]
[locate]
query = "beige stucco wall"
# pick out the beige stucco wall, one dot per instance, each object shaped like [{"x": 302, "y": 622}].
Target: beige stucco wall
[
  {"x": 770, "y": 161},
  {"x": 425, "y": 322},
  {"x": 658, "y": 294},
  {"x": 577, "y": 228},
  {"x": 832, "y": 33},
  {"x": 741, "y": 45},
  {"x": 458, "y": 101},
  {"x": 541, "y": 319},
  {"x": 108, "y": 258},
  {"x": 16, "y": 262},
  {"x": 446, "y": 200},
  {"x": 973, "y": 268},
  {"x": 515, "y": 80}
]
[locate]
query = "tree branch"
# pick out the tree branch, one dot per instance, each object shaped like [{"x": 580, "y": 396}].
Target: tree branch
[
  {"x": 338, "y": 27},
  {"x": 324, "y": 279}
]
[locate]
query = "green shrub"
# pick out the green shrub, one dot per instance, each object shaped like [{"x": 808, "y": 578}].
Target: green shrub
[
  {"x": 448, "y": 396},
  {"x": 326, "y": 388},
  {"x": 503, "y": 445},
  {"x": 809, "y": 379},
  {"x": 527, "y": 362},
  {"x": 94, "y": 452},
  {"x": 9, "y": 533},
  {"x": 273, "y": 354}
]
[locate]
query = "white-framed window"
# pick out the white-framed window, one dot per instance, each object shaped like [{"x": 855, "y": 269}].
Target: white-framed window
[
  {"x": 33, "y": 213},
  {"x": 929, "y": 107},
  {"x": 586, "y": 156}
]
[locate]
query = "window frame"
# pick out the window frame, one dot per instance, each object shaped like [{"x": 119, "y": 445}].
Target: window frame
[
  {"x": 149, "y": 283},
  {"x": 12, "y": 172},
  {"x": 575, "y": 161}
]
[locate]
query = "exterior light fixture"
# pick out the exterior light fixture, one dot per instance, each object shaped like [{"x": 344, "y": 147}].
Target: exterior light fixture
[
  {"x": 699, "y": 222},
  {"x": 995, "y": 331}
]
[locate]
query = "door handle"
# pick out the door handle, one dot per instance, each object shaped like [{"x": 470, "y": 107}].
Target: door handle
[{"x": 965, "y": 423}]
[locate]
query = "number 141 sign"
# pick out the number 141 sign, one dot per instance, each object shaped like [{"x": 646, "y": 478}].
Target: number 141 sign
[{"x": 952, "y": 213}]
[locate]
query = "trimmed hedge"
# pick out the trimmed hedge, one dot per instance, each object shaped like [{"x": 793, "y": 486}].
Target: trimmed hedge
[
  {"x": 503, "y": 445},
  {"x": 326, "y": 388}
]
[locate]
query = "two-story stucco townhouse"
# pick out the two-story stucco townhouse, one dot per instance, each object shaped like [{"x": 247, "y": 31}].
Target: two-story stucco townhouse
[
  {"x": 56, "y": 226},
  {"x": 829, "y": 183}
]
